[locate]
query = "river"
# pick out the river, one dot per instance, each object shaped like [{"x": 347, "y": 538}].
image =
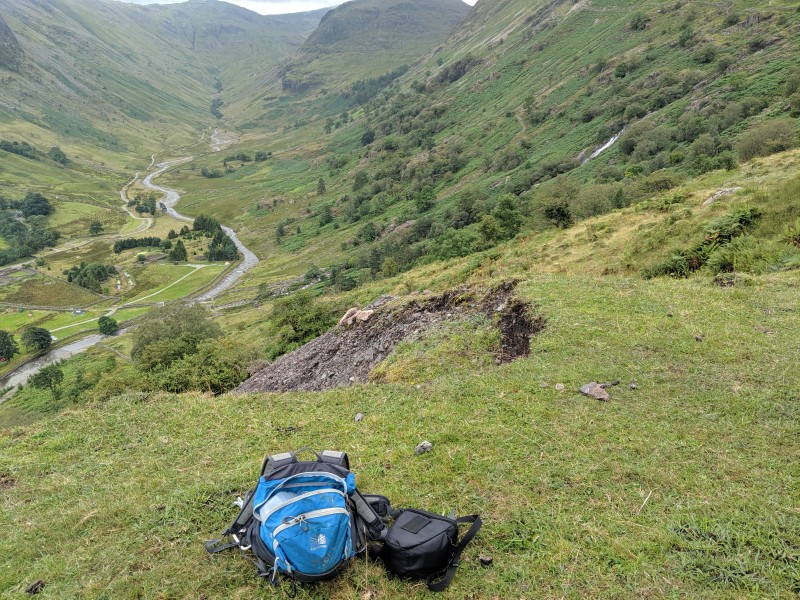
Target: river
[{"x": 170, "y": 198}]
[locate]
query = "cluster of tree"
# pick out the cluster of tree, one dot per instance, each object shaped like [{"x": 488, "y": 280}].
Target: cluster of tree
[
  {"x": 107, "y": 325},
  {"x": 473, "y": 223},
  {"x": 178, "y": 252},
  {"x": 240, "y": 156},
  {"x": 37, "y": 339},
  {"x": 169, "y": 334},
  {"x": 216, "y": 103},
  {"x": 53, "y": 379},
  {"x": 456, "y": 70},
  {"x": 8, "y": 346},
  {"x": 222, "y": 247},
  {"x": 90, "y": 275},
  {"x": 57, "y": 155},
  {"x": 145, "y": 242},
  {"x": 184, "y": 231},
  {"x": 207, "y": 224},
  {"x": 20, "y": 149},
  {"x": 24, "y": 239},
  {"x": 364, "y": 90},
  {"x": 48, "y": 378},
  {"x": 261, "y": 156},
  {"x": 298, "y": 318},
  {"x": 178, "y": 349},
  {"x": 144, "y": 204},
  {"x": 210, "y": 173},
  {"x": 32, "y": 204}
]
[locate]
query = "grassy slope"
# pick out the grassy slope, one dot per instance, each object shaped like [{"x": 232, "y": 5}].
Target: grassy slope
[
  {"x": 112, "y": 83},
  {"x": 369, "y": 38},
  {"x": 123, "y": 494},
  {"x": 545, "y": 55},
  {"x": 684, "y": 487}
]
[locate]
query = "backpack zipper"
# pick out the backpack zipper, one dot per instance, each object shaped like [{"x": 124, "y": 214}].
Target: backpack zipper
[
  {"x": 300, "y": 519},
  {"x": 295, "y": 499},
  {"x": 309, "y": 483}
]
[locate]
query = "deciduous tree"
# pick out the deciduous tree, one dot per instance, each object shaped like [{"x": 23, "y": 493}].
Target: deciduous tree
[{"x": 36, "y": 339}]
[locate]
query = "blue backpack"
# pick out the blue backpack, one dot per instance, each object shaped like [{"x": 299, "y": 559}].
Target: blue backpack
[{"x": 304, "y": 519}]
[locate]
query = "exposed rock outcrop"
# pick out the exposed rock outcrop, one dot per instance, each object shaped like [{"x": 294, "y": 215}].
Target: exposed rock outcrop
[{"x": 365, "y": 337}]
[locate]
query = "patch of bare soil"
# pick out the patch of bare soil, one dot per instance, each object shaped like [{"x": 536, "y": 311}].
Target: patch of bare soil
[{"x": 347, "y": 353}]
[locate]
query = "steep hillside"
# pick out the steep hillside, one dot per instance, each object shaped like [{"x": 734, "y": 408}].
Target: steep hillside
[
  {"x": 628, "y": 169},
  {"x": 366, "y": 38},
  {"x": 128, "y": 78},
  {"x": 234, "y": 45},
  {"x": 10, "y": 50},
  {"x": 682, "y": 484},
  {"x": 530, "y": 116}
]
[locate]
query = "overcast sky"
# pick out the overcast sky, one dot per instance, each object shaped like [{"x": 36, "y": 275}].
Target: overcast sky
[{"x": 270, "y": 7}]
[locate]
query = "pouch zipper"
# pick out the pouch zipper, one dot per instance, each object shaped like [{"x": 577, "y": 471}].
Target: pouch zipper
[{"x": 323, "y": 512}]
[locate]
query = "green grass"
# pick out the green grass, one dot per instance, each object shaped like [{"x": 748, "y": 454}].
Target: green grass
[
  {"x": 11, "y": 319},
  {"x": 182, "y": 287},
  {"x": 157, "y": 276},
  {"x": 684, "y": 486},
  {"x": 32, "y": 404},
  {"x": 45, "y": 291}
]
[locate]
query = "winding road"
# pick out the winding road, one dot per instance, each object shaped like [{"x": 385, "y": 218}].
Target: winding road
[{"x": 170, "y": 198}]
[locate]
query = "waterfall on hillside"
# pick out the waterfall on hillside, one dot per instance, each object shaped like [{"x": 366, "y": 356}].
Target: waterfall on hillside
[{"x": 606, "y": 146}]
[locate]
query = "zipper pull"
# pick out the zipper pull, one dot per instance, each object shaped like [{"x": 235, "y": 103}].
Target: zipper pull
[{"x": 303, "y": 523}]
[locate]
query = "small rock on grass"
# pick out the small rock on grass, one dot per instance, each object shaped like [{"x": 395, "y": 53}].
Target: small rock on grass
[
  {"x": 485, "y": 560},
  {"x": 560, "y": 387},
  {"x": 359, "y": 417},
  {"x": 595, "y": 390},
  {"x": 633, "y": 385},
  {"x": 423, "y": 447}
]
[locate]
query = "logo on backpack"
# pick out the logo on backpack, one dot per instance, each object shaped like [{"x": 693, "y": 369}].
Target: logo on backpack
[{"x": 319, "y": 542}]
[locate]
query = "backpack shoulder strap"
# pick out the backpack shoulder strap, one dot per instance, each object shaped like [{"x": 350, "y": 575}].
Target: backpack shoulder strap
[
  {"x": 334, "y": 457},
  {"x": 273, "y": 461},
  {"x": 373, "y": 510},
  {"x": 438, "y": 586},
  {"x": 237, "y": 530}
]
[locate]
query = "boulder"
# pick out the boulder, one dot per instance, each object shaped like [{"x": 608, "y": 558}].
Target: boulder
[
  {"x": 347, "y": 318},
  {"x": 355, "y": 315}
]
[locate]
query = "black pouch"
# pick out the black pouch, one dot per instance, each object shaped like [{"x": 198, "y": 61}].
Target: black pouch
[{"x": 424, "y": 544}]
